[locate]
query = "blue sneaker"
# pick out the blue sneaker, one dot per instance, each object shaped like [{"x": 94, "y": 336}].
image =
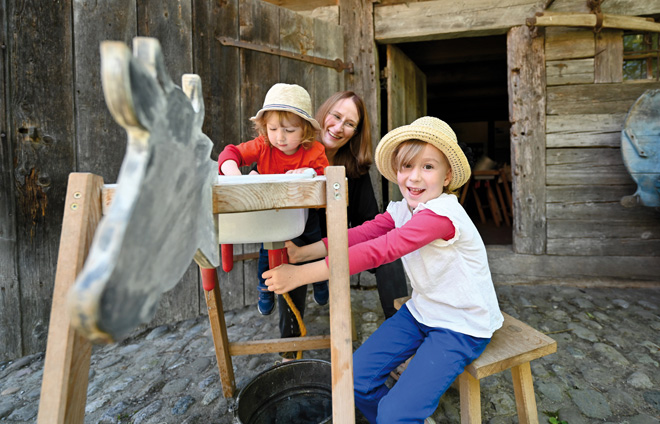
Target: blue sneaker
[
  {"x": 266, "y": 302},
  {"x": 321, "y": 293}
]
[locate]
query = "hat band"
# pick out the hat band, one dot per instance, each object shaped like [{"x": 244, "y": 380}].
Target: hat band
[{"x": 283, "y": 106}]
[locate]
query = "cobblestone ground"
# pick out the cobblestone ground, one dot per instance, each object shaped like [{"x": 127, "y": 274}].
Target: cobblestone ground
[{"x": 606, "y": 369}]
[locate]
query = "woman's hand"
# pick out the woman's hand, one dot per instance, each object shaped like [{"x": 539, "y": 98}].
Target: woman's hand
[
  {"x": 305, "y": 253},
  {"x": 293, "y": 252}
]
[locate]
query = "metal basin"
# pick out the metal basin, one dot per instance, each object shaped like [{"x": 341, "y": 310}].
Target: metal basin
[{"x": 296, "y": 392}]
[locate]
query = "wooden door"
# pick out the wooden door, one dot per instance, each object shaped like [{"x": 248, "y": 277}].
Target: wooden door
[{"x": 406, "y": 96}]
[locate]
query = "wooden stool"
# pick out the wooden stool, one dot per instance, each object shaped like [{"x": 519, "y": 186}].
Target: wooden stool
[
  {"x": 513, "y": 346},
  {"x": 486, "y": 180}
]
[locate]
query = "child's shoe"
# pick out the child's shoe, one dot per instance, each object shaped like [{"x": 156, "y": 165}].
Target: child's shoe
[
  {"x": 321, "y": 293},
  {"x": 266, "y": 302}
]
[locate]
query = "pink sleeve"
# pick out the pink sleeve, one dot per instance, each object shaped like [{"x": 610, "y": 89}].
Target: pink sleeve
[
  {"x": 423, "y": 228},
  {"x": 368, "y": 230}
]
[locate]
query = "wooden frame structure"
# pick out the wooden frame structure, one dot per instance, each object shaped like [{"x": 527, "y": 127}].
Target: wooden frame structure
[{"x": 64, "y": 387}]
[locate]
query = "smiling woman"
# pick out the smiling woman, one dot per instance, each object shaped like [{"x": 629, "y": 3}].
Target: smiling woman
[{"x": 345, "y": 133}]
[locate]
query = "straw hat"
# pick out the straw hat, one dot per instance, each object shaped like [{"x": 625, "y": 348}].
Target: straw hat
[
  {"x": 289, "y": 98},
  {"x": 433, "y": 131}
]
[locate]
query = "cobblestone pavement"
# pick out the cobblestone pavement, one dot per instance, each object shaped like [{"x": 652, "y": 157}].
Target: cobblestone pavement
[{"x": 606, "y": 369}]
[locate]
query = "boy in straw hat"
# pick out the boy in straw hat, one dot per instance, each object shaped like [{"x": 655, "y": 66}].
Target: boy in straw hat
[
  {"x": 285, "y": 145},
  {"x": 453, "y": 310}
]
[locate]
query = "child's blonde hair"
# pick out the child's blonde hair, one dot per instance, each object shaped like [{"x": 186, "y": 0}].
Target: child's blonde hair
[
  {"x": 406, "y": 152},
  {"x": 308, "y": 129}
]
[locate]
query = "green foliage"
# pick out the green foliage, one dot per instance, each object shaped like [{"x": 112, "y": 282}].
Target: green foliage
[{"x": 638, "y": 64}]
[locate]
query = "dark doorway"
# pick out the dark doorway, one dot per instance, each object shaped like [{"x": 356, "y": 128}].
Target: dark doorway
[{"x": 467, "y": 87}]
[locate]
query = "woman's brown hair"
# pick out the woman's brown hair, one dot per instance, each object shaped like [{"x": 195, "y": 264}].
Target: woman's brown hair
[{"x": 356, "y": 155}]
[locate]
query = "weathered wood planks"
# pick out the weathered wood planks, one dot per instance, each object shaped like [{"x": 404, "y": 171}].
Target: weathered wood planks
[
  {"x": 595, "y": 98},
  {"x": 442, "y": 19},
  {"x": 10, "y": 299},
  {"x": 42, "y": 135},
  {"x": 526, "y": 82}
]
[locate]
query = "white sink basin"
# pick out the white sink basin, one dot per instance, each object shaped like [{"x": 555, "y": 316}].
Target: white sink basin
[{"x": 262, "y": 226}]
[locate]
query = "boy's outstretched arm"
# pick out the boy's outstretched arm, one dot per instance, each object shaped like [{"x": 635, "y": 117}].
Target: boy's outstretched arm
[{"x": 287, "y": 277}]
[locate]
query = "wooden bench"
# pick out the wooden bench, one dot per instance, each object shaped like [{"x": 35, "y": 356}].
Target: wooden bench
[{"x": 513, "y": 347}]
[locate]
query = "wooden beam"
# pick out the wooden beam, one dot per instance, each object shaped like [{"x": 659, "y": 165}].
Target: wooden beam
[
  {"x": 527, "y": 97},
  {"x": 357, "y": 19},
  {"x": 256, "y": 196},
  {"x": 341, "y": 349},
  {"x": 608, "y": 62},
  {"x": 302, "y": 5},
  {"x": 66, "y": 367},
  {"x": 279, "y": 345},
  {"x": 443, "y": 19},
  {"x": 586, "y": 99},
  {"x": 508, "y": 267},
  {"x": 589, "y": 20}
]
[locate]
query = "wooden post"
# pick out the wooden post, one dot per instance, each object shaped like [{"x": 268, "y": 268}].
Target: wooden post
[
  {"x": 470, "y": 398},
  {"x": 219, "y": 330},
  {"x": 527, "y": 100},
  {"x": 341, "y": 347},
  {"x": 523, "y": 387},
  {"x": 66, "y": 368}
]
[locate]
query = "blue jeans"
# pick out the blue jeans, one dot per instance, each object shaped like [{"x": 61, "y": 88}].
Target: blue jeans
[{"x": 440, "y": 356}]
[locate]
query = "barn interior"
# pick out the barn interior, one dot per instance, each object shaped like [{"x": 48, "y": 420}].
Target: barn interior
[{"x": 467, "y": 87}]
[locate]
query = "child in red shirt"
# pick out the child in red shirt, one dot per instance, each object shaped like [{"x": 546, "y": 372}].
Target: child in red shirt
[{"x": 285, "y": 145}]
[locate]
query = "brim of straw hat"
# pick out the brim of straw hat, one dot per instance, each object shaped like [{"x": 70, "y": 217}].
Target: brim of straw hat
[
  {"x": 433, "y": 131},
  {"x": 288, "y": 108}
]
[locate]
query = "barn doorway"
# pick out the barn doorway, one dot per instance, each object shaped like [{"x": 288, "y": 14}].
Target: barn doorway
[{"x": 466, "y": 86}]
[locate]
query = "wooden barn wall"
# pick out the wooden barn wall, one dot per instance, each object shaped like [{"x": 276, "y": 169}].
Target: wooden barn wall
[
  {"x": 587, "y": 102},
  {"x": 53, "y": 121}
]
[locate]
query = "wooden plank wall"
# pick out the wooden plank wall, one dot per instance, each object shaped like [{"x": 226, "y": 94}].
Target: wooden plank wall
[
  {"x": 587, "y": 102},
  {"x": 55, "y": 122}
]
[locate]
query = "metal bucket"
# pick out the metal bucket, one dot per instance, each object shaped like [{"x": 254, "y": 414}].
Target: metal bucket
[{"x": 296, "y": 392}]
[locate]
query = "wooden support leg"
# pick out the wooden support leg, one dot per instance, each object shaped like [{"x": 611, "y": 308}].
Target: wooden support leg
[
  {"x": 480, "y": 209},
  {"x": 341, "y": 347},
  {"x": 504, "y": 209},
  {"x": 219, "y": 330},
  {"x": 470, "y": 393},
  {"x": 523, "y": 387},
  {"x": 66, "y": 368},
  {"x": 492, "y": 203}
]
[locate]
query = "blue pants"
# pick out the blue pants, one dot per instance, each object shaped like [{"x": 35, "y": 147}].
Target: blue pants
[{"x": 440, "y": 356}]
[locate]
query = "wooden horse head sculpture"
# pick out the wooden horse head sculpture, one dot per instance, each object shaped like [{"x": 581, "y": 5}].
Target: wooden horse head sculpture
[{"x": 161, "y": 216}]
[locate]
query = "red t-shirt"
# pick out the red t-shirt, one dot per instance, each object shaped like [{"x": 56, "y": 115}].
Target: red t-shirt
[{"x": 271, "y": 160}]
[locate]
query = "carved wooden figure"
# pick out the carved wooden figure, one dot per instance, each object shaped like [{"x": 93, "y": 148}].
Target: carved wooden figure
[{"x": 163, "y": 201}]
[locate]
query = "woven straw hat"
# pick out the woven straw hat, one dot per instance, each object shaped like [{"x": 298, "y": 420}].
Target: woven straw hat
[
  {"x": 433, "y": 131},
  {"x": 289, "y": 98}
]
